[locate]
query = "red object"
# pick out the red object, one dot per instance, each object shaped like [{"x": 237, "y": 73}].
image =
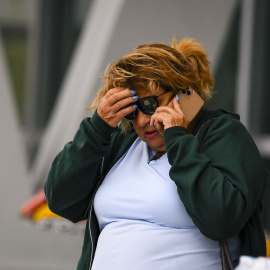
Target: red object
[{"x": 29, "y": 207}]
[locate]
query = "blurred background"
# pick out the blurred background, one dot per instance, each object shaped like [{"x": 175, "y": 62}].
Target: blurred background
[{"x": 52, "y": 54}]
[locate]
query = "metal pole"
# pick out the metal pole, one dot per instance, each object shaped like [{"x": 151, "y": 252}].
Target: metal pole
[{"x": 243, "y": 95}]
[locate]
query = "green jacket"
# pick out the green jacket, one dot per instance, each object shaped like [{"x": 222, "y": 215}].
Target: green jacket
[{"x": 218, "y": 171}]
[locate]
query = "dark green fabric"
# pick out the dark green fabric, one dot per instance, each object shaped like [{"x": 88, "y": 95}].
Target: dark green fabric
[{"x": 218, "y": 172}]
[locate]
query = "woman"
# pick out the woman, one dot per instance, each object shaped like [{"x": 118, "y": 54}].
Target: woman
[{"x": 160, "y": 191}]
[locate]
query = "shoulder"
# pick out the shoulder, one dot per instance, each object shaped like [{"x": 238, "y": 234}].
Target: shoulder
[
  {"x": 224, "y": 128},
  {"x": 219, "y": 121}
]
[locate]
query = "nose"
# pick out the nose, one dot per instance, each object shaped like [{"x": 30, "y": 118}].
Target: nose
[{"x": 143, "y": 119}]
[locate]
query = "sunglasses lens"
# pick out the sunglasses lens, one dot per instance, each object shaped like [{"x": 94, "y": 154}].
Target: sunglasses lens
[
  {"x": 131, "y": 116},
  {"x": 148, "y": 105}
]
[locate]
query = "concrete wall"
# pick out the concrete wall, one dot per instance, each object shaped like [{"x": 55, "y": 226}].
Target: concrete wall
[{"x": 22, "y": 245}]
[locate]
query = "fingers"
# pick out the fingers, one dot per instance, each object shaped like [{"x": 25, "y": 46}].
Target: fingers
[
  {"x": 119, "y": 100},
  {"x": 116, "y": 94},
  {"x": 115, "y": 105},
  {"x": 169, "y": 116},
  {"x": 177, "y": 107}
]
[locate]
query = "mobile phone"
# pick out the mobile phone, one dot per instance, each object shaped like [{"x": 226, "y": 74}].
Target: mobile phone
[{"x": 190, "y": 102}]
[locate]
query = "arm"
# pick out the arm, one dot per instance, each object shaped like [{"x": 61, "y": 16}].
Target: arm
[
  {"x": 73, "y": 176},
  {"x": 221, "y": 180},
  {"x": 74, "y": 171}
]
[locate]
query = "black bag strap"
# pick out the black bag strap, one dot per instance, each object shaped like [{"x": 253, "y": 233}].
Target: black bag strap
[{"x": 226, "y": 260}]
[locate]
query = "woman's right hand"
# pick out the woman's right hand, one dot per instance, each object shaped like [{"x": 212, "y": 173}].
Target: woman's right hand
[{"x": 114, "y": 105}]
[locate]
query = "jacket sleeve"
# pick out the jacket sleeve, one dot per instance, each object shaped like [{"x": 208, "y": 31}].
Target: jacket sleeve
[
  {"x": 220, "y": 180},
  {"x": 73, "y": 175}
]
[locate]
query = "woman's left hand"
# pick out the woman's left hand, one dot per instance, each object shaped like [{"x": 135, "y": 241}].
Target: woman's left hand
[{"x": 169, "y": 116}]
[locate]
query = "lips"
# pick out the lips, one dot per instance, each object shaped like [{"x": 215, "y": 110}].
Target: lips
[{"x": 151, "y": 134}]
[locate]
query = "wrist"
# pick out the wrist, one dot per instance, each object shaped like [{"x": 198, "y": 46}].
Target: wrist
[{"x": 102, "y": 126}]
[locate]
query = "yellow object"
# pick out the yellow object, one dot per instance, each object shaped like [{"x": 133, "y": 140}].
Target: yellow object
[
  {"x": 43, "y": 212},
  {"x": 267, "y": 247}
]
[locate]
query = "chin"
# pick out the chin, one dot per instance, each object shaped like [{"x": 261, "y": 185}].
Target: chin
[
  {"x": 157, "y": 147},
  {"x": 156, "y": 144}
]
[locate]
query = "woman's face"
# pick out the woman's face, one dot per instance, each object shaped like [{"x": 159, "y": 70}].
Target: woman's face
[{"x": 142, "y": 122}]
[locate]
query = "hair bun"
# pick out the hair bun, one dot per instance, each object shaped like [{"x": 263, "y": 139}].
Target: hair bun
[{"x": 195, "y": 55}]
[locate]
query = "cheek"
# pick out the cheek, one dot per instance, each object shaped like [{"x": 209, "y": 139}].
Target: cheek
[{"x": 138, "y": 129}]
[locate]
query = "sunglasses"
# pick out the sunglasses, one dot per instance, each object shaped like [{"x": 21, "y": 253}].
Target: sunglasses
[{"x": 147, "y": 105}]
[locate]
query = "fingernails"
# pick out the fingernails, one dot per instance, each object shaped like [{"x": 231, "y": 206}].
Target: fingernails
[
  {"x": 135, "y": 106},
  {"x": 135, "y": 97},
  {"x": 177, "y": 97},
  {"x": 133, "y": 92}
]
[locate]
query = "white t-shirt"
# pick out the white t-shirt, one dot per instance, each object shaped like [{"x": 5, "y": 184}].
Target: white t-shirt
[{"x": 144, "y": 224}]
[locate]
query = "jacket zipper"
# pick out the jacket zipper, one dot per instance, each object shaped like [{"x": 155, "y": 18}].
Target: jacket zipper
[
  {"x": 92, "y": 244},
  {"x": 100, "y": 178}
]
